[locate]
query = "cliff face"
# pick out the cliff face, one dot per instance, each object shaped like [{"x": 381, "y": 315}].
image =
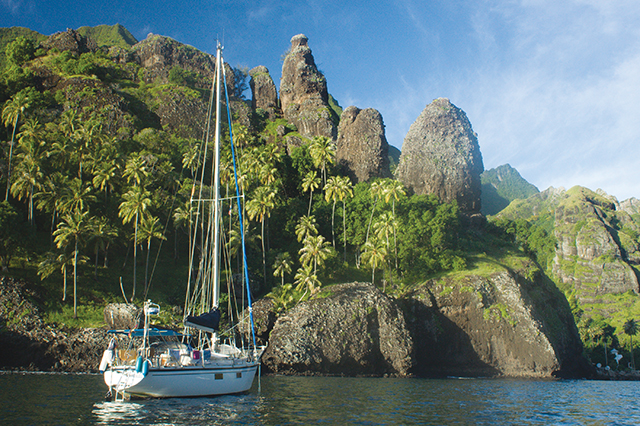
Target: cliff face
[
  {"x": 159, "y": 54},
  {"x": 71, "y": 41},
  {"x": 596, "y": 247},
  {"x": 362, "y": 151},
  {"x": 511, "y": 323},
  {"x": 441, "y": 156},
  {"x": 264, "y": 92},
  {"x": 357, "y": 330},
  {"x": 303, "y": 92}
]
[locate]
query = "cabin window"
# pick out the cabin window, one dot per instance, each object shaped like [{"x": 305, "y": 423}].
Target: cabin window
[
  {"x": 238, "y": 375},
  {"x": 218, "y": 376}
]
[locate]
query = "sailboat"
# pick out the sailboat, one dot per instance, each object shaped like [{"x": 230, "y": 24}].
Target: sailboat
[{"x": 201, "y": 360}]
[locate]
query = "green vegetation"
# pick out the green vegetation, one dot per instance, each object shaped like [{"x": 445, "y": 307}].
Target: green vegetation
[
  {"x": 502, "y": 185},
  {"x": 97, "y": 202},
  {"x": 103, "y": 192},
  {"x": 109, "y": 35},
  {"x": 590, "y": 220}
]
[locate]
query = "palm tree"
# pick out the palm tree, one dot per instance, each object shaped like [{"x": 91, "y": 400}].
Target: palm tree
[
  {"x": 310, "y": 183},
  {"x": 374, "y": 254},
  {"x": 631, "y": 328},
  {"x": 332, "y": 192},
  {"x": 393, "y": 191},
  {"x": 376, "y": 191},
  {"x": 149, "y": 228},
  {"x": 72, "y": 229},
  {"x": 260, "y": 207},
  {"x": 75, "y": 195},
  {"x": 51, "y": 263},
  {"x": 346, "y": 189},
  {"x": 383, "y": 228},
  {"x": 323, "y": 154},
  {"x": 315, "y": 251},
  {"x": 268, "y": 173},
  {"x": 306, "y": 227},
  {"x": 68, "y": 122},
  {"x": 10, "y": 116},
  {"x": 29, "y": 171},
  {"x": 135, "y": 204},
  {"x": 86, "y": 134},
  {"x": 307, "y": 279},
  {"x": 104, "y": 176},
  {"x": 191, "y": 158},
  {"x": 48, "y": 199},
  {"x": 282, "y": 265},
  {"x": 102, "y": 235},
  {"x": 136, "y": 170}
]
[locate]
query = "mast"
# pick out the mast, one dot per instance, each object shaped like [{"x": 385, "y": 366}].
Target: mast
[{"x": 216, "y": 184}]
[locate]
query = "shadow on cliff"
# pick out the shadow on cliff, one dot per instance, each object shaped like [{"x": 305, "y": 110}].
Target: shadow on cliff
[
  {"x": 441, "y": 347},
  {"x": 552, "y": 310}
]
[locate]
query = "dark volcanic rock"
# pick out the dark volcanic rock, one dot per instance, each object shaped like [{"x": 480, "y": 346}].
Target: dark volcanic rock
[
  {"x": 158, "y": 54},
  {"x": 84, "y": 93},
  {"x": 264, "y": 318},
  {"x": 362, "y": 150},
  {"x": 28, "y": 343},
  {"x": 304, "y": 98},
  {"x": 515, "y": 324},
  {"x": 441, "y": 156},
  {"x": 263, "y": 90},
  {"x": 356, "y": 330},
  {"x": 180, "y": 112},
  {"x": 71, "y": 41}
]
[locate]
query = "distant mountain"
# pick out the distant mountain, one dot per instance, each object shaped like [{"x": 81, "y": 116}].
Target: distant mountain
[
  {"x": 502, "y": 185},
  {"x": 597, "y": 253},
  {"x": 109, "y": 35}
]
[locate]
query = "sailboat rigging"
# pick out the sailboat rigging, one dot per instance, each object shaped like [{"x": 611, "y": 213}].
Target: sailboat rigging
[{"x": 164, "y": 363}]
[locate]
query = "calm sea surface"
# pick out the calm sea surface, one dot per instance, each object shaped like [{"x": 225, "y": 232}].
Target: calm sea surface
[{"x": 61, "y": 399}]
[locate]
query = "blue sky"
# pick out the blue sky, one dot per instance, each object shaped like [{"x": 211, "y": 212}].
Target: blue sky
[{"x": 551, "y": 87}]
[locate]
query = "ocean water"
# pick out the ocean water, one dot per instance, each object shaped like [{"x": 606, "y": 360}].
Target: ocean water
[{"x": 65, "y": 399}]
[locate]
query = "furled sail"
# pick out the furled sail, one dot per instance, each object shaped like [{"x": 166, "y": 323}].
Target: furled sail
[{"x": 209, "y": 321}]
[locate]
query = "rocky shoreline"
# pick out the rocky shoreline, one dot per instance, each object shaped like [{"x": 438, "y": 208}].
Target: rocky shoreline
[{"x": 355, "y": 331}]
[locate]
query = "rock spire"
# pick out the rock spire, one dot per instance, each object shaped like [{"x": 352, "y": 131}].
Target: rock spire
[
  {"x": 362, "y": 150},
  {"x": 304, "y": 98},
  {"x": 441, "y": 156}
]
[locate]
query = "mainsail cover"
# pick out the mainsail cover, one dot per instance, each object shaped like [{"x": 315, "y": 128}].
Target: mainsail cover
[{"x": 209, "y": 321}]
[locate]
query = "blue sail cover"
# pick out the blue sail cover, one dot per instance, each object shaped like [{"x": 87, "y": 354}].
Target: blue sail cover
[{"x": 209, "y": 321}]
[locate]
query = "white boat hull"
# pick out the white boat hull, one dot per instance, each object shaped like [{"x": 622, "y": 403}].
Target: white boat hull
[{"x": 182, "y": 381}]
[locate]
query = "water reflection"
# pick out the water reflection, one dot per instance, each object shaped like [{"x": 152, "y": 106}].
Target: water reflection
[
  {"x": 78, "y": 399},
  {"x": 231, "y": 409}
]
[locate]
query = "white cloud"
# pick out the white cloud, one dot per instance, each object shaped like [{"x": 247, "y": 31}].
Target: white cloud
[{"x": 12, "y": 5}]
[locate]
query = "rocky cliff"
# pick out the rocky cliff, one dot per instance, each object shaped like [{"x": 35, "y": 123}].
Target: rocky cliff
[
  {"x": 595, "y": 245},
  {"x": 362, "y": 151},
  {"x": 511, "y": 322},
  {"x": 355, "y": 330},
  {"x": 71, "y": 41},
  {"x": 264, "y": 92},
  {"x": 441, "y": 156},
  {"x": 597, "y": 249},
  {"x": 304, "y": 98},
  {"x": 158, "y": 55},
  {"x": 28, "y": 343}
]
